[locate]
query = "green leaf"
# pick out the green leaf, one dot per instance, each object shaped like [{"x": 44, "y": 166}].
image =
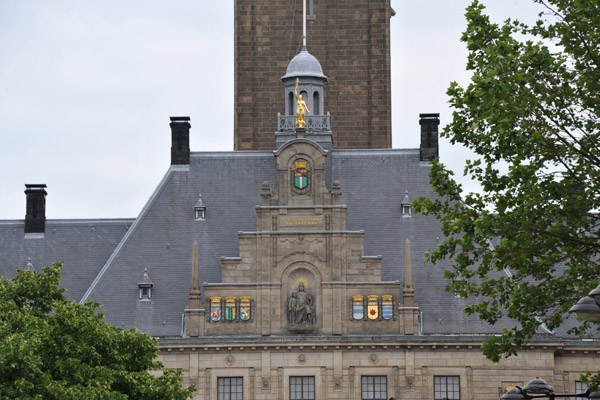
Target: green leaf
[
  {"x": 52, "y": 348},
  {"x": 531, "y": 116}
]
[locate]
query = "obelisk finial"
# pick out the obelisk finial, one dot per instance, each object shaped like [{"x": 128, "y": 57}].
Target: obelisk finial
[
  {"x": 194, "y": 288},
  {"x": 408, "y": 292}
]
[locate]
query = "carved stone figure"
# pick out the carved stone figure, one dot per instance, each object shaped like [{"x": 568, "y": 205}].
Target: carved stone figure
[
  {"x": 300, "y": 307},
  {"x": 292, "y": 301}
]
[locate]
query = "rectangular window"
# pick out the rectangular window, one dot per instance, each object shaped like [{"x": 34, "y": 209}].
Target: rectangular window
[
  {"x": 580, "y": 387},
  {"x": 373, "y": 388},
  {"x": 230, "y": 388},
  {"x": 446, "y": 387},
  {"x": 302, "y": 388}
]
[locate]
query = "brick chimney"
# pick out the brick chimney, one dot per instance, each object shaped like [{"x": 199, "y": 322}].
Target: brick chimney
[
  {"x": 429, "y": 136},
  {"x": 180, "y": 140},
  {"x": 35, "y": 215}
]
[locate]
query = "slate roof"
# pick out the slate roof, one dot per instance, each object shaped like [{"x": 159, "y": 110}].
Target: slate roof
[
  {"x": 304, "y": 64},
  {"x": 104, "y": 260},
  {"x": 83, "y": 245}
]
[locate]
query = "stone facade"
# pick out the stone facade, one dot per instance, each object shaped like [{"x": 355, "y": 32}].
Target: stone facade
[
  {"x": 409, "y": 364},
  {"x": 350, "y": 39},
  {"x": 300, "y": 255},
  {"x": 352, "y": 328}
]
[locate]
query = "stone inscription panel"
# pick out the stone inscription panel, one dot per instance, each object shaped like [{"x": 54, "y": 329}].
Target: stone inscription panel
[{"x": 301, "y": 222}]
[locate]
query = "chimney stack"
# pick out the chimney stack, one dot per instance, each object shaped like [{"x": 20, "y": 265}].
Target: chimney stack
[
  {"x": 180, "y": 140},
  {"x": 429, "y": 136},
  {"x": 35, "y": 216}
]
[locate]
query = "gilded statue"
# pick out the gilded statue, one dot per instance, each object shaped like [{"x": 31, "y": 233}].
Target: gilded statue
[{"x": 300, "y": 119}]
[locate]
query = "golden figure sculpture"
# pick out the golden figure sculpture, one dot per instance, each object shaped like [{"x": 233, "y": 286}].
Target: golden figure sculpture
[{"x": 300, "y": 120}]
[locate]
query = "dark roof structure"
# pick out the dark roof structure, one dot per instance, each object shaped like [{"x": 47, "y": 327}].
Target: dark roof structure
[
  {"x": 304, "y": 64},
  {"x": 105, "y": 259},
  {"x": 83, "y": 245}
]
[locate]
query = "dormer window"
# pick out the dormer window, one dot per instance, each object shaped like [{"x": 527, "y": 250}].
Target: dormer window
[
  {"x": 200, "y": 210},
  {"x": 406, "y": 211},
  {"x": 145, "y": 287},
  {"x": 29, "y": 267},
  {"x": 405, "y": 206}
]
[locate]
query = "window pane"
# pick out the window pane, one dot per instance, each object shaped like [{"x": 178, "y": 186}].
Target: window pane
[
  {"x": 230, "y": 388},
  {"x": 580, "y": 387},
  {"x": 446, "y": 387},
  {"x": 302, "y": 388},
  {"x": 374, "y": 387}
]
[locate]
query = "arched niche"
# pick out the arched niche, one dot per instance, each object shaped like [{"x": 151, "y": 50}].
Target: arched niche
[{"x": 301, "y": 295}]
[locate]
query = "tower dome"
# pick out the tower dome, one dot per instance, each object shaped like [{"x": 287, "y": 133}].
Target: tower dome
[
  {"x": 304, "y": 64},
  {"x": 304, "y": 80}
]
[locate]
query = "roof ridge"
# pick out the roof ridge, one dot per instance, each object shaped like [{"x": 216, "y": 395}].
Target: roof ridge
[{"x": 172, "y": 169}]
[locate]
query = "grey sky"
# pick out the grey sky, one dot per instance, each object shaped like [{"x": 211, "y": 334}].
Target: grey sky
[{"x": 87, "y": 88}]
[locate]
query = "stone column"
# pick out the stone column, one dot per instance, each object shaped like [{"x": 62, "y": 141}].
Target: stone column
[
  {"x": 410, "y": 368},
  {"x": 265, "y": 372},
  {"x": 469, "y": 373},
  {"x": 323, "y": 383},
  {"x": 280, "y": 394},
  {"x": 395, "y": 378},
  {"x": 338, "y": 372},
  {"x": 207, "y": 383},
  {"x": 251, "y": 386},
  {"x": 351, "y": 383},
  {"x": 424, "y": 385}
]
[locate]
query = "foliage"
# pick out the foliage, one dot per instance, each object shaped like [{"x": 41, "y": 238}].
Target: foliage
[
  {"x": 52, "y": 348},
  {"x": 527, "y": 243}
]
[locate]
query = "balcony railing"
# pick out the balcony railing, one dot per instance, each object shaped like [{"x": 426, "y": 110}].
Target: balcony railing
[{"x": 313, "y": 122}]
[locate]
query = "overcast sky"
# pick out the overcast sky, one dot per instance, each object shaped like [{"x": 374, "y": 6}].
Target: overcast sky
[{"x": 87, "y": 88}]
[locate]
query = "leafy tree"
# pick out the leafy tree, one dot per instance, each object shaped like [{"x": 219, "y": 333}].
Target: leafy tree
[
  {"x": 527, "y": 243},
  {"x": 52, "y": 348}
]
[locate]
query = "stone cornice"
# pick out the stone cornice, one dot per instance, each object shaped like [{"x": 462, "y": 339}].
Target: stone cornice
[{"x": 366, "y": 343}]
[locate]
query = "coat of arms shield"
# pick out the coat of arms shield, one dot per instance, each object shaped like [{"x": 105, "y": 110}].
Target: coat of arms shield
[
  {"x": 358, "y": 308},
  {"x": 230, "y": 309},
  {"x": 387, "y": 307},
  {"x": 245, "y": 313},
  {"x": 373, "y": 307},
  {"x": 215, "y": 309},
  {"x": 300, "y": 174}
]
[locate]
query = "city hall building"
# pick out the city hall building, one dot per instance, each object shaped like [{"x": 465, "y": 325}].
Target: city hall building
[{"x": 293, "y": 267}]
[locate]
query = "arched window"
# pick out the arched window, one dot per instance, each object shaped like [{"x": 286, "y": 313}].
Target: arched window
[
  {"x": 305, "y": 98},
  {"x": 291, "y": 107},
  {"x": 316, "y": 104}
]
